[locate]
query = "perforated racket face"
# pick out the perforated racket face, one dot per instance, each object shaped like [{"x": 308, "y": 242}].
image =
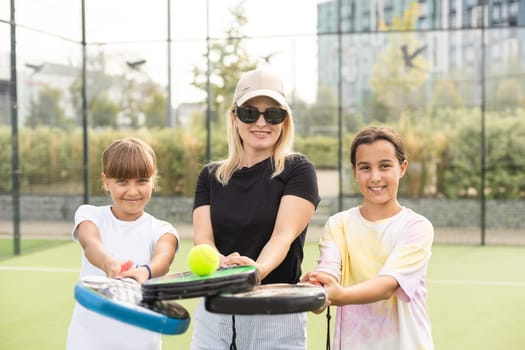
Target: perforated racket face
[
  {"x": 269, "y": 299},
  {"x": 124, "y": 290},
  {"x": 188, "y": 285},
  {"x": 121, "y": 299}
]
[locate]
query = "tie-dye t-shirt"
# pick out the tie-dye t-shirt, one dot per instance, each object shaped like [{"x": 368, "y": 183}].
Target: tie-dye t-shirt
[{"x": 355, "y": 250}]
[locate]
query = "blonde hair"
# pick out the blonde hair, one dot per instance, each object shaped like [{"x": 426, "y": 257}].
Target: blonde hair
[
  {"x": 129, "y": 158},
  {"x": 234, "y": 161}
]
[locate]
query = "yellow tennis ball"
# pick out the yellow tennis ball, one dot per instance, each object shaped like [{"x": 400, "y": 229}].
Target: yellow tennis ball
[{"x": 203, "y": 259}]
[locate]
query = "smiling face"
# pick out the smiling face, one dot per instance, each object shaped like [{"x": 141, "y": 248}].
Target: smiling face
[
  {"x": 129, "y": 196},
  {"x": 377, "y": 171},
  {"x": 260, "y": 137}
]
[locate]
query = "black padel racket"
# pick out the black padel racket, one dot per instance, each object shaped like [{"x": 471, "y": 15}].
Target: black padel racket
[
  {"x": 121, "y": 299},
  {"x": 189, "y": 285},
  {"x": 269, "y": 299}
]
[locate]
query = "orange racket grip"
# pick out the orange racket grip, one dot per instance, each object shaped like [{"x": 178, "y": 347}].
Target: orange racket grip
[{"x": 126, "y": 266}]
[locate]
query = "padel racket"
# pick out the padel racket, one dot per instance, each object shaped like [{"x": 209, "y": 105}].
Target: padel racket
[
  {"x": 121, "y": 299},
  {"x": 269, "y": 299},
  {"x": 189, "y": 285}
]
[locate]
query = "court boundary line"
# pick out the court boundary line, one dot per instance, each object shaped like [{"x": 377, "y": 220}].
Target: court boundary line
[
  {"x": 477, "y": 283},
  {"x": 38, "y": 269}
]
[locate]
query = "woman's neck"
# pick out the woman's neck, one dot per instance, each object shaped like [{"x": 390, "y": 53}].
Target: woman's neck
[{"x": 250, "y": 160}]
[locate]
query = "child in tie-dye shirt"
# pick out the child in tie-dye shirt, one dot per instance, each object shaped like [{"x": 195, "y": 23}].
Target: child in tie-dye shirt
[{"x": 374, "y": 258}]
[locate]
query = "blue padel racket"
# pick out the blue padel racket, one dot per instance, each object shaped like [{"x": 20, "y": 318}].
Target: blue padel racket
[
  {"x": 189, "y": 285},
  {"x": 121, "y": 299},
  {"x": 269, "y": 299}
]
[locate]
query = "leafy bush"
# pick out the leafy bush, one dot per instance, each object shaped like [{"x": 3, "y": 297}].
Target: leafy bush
[
  {"x": 5, "y": 159},
  {"x": 179, "y": 157},
  {"x": 460, "y": 165},
  {"x": 321, "y": 150},
  {"x": 444, "y": 151}
]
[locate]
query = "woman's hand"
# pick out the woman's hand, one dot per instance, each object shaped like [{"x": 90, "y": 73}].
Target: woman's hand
[{"x": 237, "y": 259}]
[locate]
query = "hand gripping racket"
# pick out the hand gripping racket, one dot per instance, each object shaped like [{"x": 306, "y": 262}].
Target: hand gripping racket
[
  {"x": 269, "y": 299},
  {"x": 189, "y": 285},
  {"x": 121, "y": 299}
]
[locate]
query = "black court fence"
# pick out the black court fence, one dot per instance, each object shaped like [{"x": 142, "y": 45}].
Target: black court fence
[{"x": 74, "y": 75}]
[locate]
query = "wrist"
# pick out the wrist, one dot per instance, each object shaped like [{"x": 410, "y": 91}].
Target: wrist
[
  {"x": 148, "y": 268},
  {"x": 110, "y": 266}
]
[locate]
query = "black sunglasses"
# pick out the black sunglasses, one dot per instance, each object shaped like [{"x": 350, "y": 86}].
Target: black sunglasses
[{"x": 249, "y": 114}]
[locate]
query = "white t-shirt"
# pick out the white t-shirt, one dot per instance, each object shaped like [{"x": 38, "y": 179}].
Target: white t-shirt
[
  {"x": 355, "y": 250},
  {"x": 124, "y": 240}
]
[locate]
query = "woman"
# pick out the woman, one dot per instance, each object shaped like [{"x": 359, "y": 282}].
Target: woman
[{"x": 254, "y": 207}]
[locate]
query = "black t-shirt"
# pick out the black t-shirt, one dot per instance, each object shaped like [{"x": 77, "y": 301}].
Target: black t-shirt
[{"x": 243, "y": 212}]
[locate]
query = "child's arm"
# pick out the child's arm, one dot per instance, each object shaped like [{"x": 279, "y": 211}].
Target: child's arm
[
  {"x": 375, "y": 289},
  {"x": 160, "y": 262},
  {"x": 94, "y": 250},
  {"x": 163, "y": 255}
]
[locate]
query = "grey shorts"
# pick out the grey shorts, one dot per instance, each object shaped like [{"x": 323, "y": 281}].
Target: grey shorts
[{"x": 259, "y": 332}]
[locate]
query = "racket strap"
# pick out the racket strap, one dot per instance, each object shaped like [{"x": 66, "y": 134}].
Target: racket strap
[
  {"x": 328, "y": 317},
  {"x": 233, "y": 346}
]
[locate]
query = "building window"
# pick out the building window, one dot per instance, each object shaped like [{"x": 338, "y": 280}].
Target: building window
[{"x": 477, "y": 18}]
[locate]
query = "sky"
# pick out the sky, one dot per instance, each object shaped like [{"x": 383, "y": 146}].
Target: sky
[{"x": 137, "y": 29}]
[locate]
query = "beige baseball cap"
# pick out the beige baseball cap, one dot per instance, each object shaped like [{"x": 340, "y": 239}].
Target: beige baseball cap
[{"x": 259, "y": 82}]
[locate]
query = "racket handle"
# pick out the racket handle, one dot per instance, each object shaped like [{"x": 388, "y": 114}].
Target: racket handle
[{"x": 126, "y": 266}]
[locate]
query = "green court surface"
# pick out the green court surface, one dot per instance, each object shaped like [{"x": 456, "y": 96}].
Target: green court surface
[
  {"x": 475, "y": 300},
  {"x": 26, "y": 246}
]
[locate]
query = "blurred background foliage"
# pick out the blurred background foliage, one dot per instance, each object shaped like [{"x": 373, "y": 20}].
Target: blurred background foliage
[
  {"x": 456, "y": 96},
  {"x": 443, "y": 149}
]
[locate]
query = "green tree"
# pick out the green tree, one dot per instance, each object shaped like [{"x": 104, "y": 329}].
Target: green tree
[
  {"x": 505, "y": 87},
  {"x": 446, "y": 94},
  {"x": 396, "y": 76},
  {"x": 138, "y": 92},
  {"x": 102, "y": 110},
  {"x": 138, "y": 97},
  {"x": 130, "y": 108},
  {"x": 155, "y": 109},
  {"x": 509, "y": 94},
  {"x": 322, "y": 117},
  {"x": 5, "y": 158},
  {"x": 459, "y": 166},
  {"x": 228, "y": 59},
  {"x": 46, "y": 110},
  {"x": 302, "y": 116}
]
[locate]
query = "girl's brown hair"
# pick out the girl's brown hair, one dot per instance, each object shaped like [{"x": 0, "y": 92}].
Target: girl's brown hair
[
  {"x": 372, "y": 134},
  {"x": 129, "y": 158}
]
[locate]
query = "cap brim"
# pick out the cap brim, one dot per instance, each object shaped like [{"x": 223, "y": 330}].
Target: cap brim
[{"x": 263, "y": 92}]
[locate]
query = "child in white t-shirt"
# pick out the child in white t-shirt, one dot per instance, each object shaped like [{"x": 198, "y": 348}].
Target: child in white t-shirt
[{"x": 114, "y": 234}]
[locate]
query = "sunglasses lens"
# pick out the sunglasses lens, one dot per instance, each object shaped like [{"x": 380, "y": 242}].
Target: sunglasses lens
[
  {"x": 247, "y": 114},
  {"x": 251, "y": 114},
  {"x": 274, "y": 115}
]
